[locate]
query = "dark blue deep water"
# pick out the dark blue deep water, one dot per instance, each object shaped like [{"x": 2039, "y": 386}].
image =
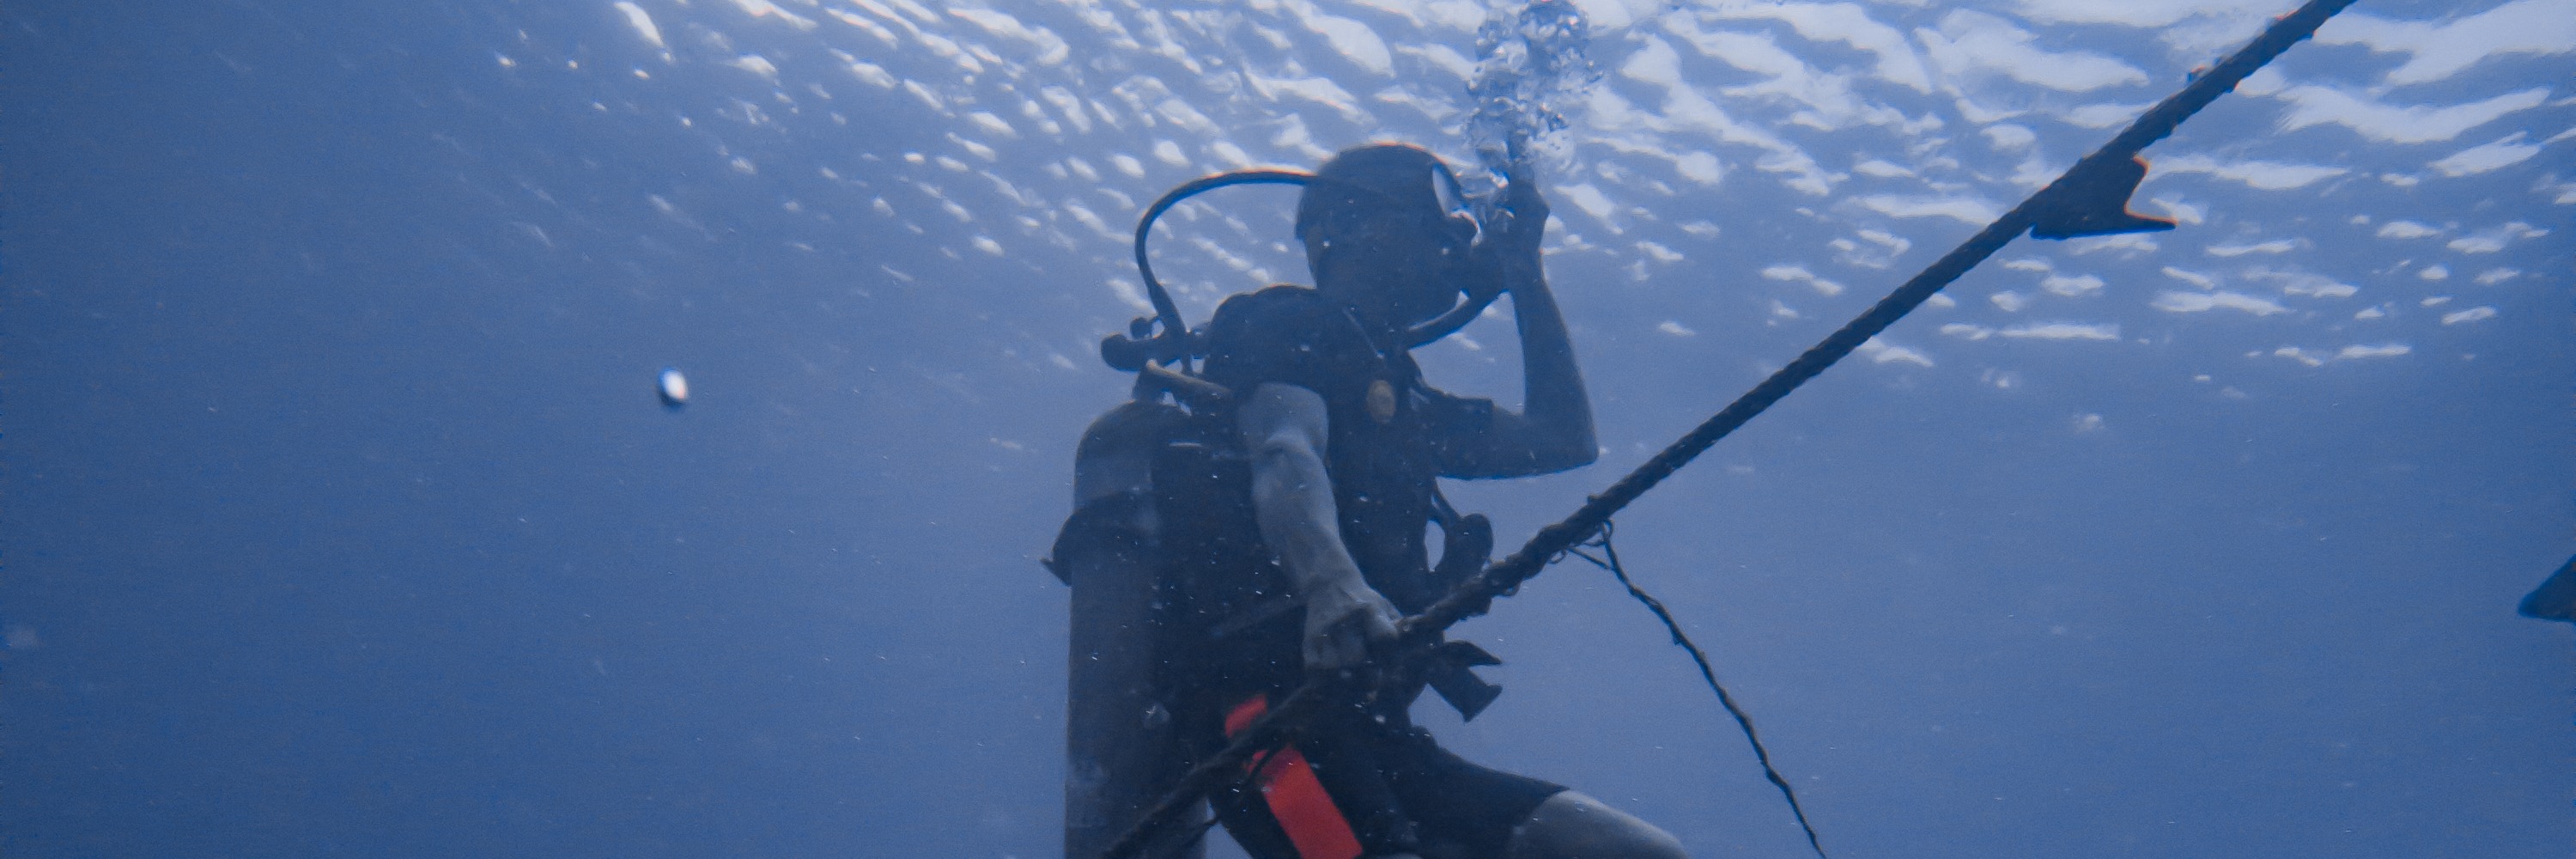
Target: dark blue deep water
[{"x": 339, "y": 517}]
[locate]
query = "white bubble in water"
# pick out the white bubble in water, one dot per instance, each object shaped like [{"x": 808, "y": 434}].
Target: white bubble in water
[{"x": 674, "y": 387}]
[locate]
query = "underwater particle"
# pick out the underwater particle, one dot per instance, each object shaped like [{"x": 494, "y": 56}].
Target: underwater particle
[
  {"x": 1884, "y": 353},
  {"x": 643, "y": 25},
  {"x": 2473, "y": 314},
  {"x": 1881, "y": 169},
  {"x": 673, "y": 387},
  {"x": 2009, "y": 137},
  {"x": 2275, "y": 246},
  {"x": 2065, "y": 331},
  {"x": 2195, "y": 302},
  {"x": 2071, "y": 286},
  {"x": 2191, "y": 277},
  {"x": 2407, "y": 230},
  {"x": 756, "y": 64},
  {"x": 2302, "y": 356},
  {"x": 2505, "y": 152}
]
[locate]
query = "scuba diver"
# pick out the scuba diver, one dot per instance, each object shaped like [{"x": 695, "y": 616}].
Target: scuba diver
[{"x": 1289, "y": 531}]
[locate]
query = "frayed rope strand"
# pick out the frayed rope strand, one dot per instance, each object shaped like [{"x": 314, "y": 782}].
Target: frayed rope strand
[{"x": 1610, "y": 561}]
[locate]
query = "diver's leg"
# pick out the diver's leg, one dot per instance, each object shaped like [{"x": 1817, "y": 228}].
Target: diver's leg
[{"x": 1570, "y": 825}]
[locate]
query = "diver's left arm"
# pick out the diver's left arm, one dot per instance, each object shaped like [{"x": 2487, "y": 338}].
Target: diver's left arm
[{"x": 1553, "y": 431}]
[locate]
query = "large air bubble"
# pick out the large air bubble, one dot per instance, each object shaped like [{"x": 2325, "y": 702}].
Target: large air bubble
[{"x": 1533, "y": 64}]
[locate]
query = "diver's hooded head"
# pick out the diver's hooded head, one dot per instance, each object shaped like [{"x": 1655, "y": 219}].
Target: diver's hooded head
[{"x": 1387, "y": 231}]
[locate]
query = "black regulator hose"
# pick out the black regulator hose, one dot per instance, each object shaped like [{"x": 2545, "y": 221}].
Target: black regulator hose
[
  {"x": 1172, "y": 342},
  {"x": 1140, "y": 344}
]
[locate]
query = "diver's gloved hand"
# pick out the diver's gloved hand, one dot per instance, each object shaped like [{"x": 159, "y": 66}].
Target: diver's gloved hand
[
  {"x": 1520, "y": 234},
  {"x": 1506, "y": 258},
  {"x": 1343, "y": 621}
]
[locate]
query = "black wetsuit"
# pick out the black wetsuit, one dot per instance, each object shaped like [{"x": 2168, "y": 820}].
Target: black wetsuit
[{"x": 1390, "y": 438}]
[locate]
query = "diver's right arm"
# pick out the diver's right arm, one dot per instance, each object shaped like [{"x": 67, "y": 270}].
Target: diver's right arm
[{"x": 1283, "y": 428}]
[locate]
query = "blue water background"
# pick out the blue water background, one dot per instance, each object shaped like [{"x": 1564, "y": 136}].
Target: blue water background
[{"x": 339, "y": 516}]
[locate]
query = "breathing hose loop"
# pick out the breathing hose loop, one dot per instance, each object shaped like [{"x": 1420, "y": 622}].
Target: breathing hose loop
[{"x": 1166, "y": 338}]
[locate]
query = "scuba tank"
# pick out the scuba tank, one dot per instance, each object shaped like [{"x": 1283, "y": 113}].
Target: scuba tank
[
  {"x": 1161, "y": 490},
  {"x": 1122, "y": 746}
]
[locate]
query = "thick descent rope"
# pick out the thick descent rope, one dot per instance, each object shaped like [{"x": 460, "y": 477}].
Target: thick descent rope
[
  {"x": 2051, "y": 205},
  {"x": 1609, "y": 560}
]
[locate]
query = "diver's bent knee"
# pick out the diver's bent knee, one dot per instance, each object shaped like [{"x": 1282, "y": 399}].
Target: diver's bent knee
[{"x": 1571, "y": 825}]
